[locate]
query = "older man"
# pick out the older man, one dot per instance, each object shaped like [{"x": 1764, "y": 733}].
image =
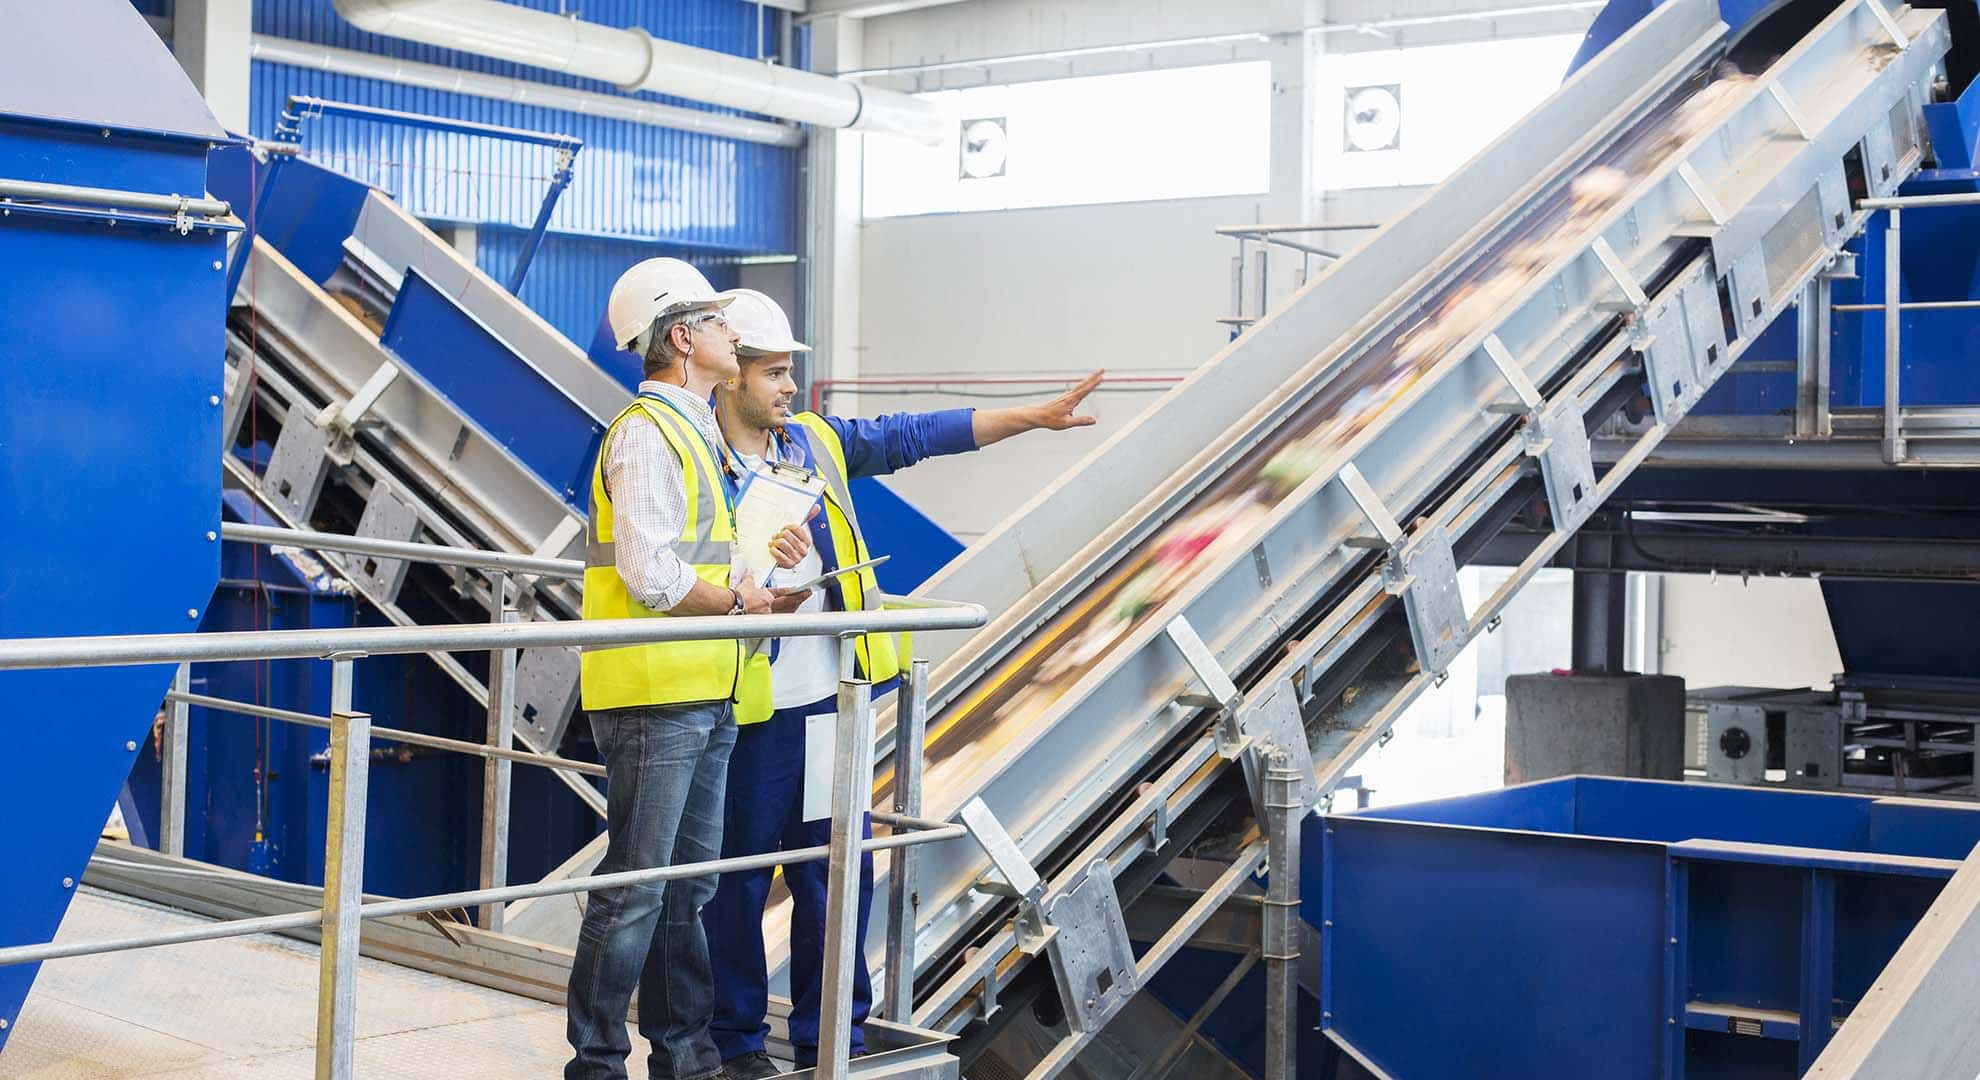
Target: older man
[
  {"x": 661, "y": 529},
  {"x": 798, "y": 677}
]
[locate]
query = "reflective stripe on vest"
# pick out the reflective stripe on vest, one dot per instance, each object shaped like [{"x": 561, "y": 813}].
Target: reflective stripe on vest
[
  {"x": 878, "y": 655},
  {"x": 666, "y": 673}
]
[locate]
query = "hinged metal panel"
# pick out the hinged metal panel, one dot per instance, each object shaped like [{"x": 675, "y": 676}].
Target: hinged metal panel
[
  {"x": 1880, "y": 164},
  {"x": 296, "y": 468},
  {"x": 1092, "y": 958},
  {"x": 1832, "y": 188}
]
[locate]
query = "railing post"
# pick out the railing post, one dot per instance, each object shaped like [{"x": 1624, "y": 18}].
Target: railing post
[
  {"x": 496, "y": 772},
  {"x": 172, "y": 769},
  {"x": 902, "y": 901},
  {"x": 852, "y": 784},
  {"x": 343, "y": 880},
  {"x": 1279, "y": 934},
  {"x": 1894, "y": 451}
]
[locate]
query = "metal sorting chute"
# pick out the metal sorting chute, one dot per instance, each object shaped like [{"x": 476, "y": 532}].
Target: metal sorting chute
[
  {"x": 1555, "y": 308},
  {"x": 425, "y": 467}
]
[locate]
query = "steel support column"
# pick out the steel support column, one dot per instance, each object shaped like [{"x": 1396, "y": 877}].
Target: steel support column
[
  {"x": 902, "y": 902},
  {"x": 343, "y": 881},
  {"x": 1601, "y": 601},
  {"x": 1279, "y": 933},
  {"x": 172, "y": 770},
  {"x": 852, "y": 779},
  {"x": 496, "y": 772}
]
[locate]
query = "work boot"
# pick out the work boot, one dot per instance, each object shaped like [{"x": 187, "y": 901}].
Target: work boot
[{"x": 754, "y": 1065}]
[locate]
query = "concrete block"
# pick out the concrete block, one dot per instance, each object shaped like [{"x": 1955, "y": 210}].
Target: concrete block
[{"x": 1606, "y": 725}]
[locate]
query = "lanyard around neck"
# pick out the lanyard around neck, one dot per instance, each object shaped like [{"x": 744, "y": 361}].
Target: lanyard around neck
[{"x": 723, "y": 469}]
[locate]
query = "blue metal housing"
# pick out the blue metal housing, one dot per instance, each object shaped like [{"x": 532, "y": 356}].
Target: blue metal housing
[
  {"x": 637, "y": 191},
  {"x": 256, "y": 790},
  {"x": 1597, "y": 927},
  {"x": 1885, "y": 628},
  {"x": 637, "y": 181},
  {"x": 110, "y": 337}
]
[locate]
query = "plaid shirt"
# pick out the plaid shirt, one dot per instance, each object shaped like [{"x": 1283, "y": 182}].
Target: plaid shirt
[{"x": 649, "y": 499}]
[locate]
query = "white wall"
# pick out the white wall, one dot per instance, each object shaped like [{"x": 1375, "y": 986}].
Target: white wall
[
  {"x": 1126, "y": 286},
  {"x": 1132, "y": 287},
  {"x": 1760, "y": 632}
]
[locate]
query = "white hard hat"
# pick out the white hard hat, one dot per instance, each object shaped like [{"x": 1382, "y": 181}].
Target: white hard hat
[
  {"x": 761, "y": 325},
  {"x": 653, "y": 289}
]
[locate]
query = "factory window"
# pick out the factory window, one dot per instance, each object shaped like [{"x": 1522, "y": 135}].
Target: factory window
[
  {"x": 1411, "y": 116},
  {"x": 1179, "y": 133}
]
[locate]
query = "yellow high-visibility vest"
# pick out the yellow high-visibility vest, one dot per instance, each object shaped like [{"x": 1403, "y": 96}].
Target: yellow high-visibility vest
[
  {"x": 880, "y": 656},
  {"x": 674, "y": 672}
]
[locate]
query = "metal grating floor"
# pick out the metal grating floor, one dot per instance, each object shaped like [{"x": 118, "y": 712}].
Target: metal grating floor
[{"x": 246, "y": 1007}]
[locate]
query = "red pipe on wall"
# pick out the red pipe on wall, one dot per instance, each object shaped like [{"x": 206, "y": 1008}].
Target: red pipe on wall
[{"x": 822, "y": 387}]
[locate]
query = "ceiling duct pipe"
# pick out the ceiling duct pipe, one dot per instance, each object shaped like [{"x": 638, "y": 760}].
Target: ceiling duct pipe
[
  {"x": 635, "y": 60},
  {"x": 451, "y": 80}
]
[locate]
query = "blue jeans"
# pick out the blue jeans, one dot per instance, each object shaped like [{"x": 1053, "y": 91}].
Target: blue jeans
[
  {"x": 665, "y": 766},
  {"x": 765, "y": 813}
]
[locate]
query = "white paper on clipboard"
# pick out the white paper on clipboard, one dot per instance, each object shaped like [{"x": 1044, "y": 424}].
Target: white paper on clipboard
[
  {"x": 821, "y": 732},
  {"x": 772, "y": 500}
]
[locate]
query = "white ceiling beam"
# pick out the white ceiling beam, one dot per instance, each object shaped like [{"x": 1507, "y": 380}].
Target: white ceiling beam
[{"x": 866, "y": 9}]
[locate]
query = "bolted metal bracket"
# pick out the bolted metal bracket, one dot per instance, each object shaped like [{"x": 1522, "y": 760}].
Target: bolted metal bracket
[
  {"x": 1634, "y": 298},
  {"x": 1424, "y": 574},
  {"x": 1019, "y": 879},
  {"x": 1567, "y": 465},
  {"x": 1221, "y": 692},
  {"x": 296, "y": 468},
  {"x": 1686, "y": 351},
  {"x": 546, "y": 694},
  {"x": 341, "y": 418},
  {"x": 1092, "y": 959},
  {"x": 1273, "y": 725},
  {"x": 385, "y": 517}
]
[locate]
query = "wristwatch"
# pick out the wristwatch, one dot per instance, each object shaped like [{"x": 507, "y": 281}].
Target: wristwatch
[{"x": 738, "y": 608}]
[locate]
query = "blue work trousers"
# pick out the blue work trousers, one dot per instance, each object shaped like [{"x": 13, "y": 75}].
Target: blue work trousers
[
  {"x": 665, "y": 770},
  {"x": 765, "y": 814}
]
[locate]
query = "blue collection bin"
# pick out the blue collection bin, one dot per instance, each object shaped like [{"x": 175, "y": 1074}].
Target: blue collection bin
[{"x": 1595, "y": 927}]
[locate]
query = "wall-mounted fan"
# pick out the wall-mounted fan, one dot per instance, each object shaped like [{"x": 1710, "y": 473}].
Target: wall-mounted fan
[
  {"x": 984, "y": 148},
  {"x": 1372, "y": 118}
]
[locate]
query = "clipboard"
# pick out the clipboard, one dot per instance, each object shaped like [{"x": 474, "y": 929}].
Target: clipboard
[{"x": 830, "y": 574}]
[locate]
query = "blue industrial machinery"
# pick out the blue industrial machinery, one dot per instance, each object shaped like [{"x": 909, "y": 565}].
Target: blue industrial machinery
[
  {"x": 302, "y": 108},
  {"x": 483, "y": 369},
  {"x": 110, "y": 262},
  {"x": 1618, "y": 928}
]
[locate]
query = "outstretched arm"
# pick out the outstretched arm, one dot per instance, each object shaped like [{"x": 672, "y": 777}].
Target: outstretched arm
[{"x": 1058, "y": 414}]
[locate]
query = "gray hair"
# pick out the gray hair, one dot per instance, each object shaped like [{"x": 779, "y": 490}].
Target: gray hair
[{"x": 655, "y": 344}]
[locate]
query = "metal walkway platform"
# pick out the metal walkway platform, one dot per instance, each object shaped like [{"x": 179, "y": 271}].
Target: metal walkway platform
[{"x": 247, "y": 1007}]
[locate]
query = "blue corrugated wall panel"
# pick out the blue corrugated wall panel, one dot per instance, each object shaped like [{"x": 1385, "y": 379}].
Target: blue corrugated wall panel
[
  {"x": 632, "y": 180},
  {"x": 638, "y": 191},
  {"x": 571, "y": 275}
]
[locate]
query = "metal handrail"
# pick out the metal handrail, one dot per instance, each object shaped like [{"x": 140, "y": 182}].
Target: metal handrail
[
  {"x": 437, "y": 554},
  {"x": 380, "y": 909},
  {"x": 343, "y": 910},
  {"x": 127, "y": 649},
  {"x": 410, "y": 738}
]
